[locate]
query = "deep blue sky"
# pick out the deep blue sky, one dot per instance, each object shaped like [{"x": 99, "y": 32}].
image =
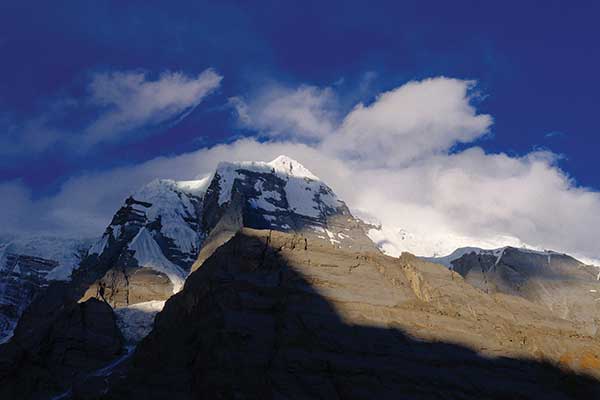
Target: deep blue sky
[{"x": 537, "y": 63}]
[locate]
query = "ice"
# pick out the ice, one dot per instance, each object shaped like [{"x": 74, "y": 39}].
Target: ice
[{"x": 99, "y": 246}]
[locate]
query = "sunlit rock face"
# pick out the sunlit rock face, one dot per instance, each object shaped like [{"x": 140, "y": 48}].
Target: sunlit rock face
[{"x": 278, "y": 315}]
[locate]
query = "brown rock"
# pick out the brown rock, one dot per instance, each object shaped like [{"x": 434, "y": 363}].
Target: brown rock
[{"x": 275, "y": 315}]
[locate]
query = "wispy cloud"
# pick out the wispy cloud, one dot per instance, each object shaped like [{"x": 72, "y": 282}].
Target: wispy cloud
[
  {"x": 554, "y": 134},
  {"x": 121, "y": 106},
  {"x": 131, "y": 101},
  {"x": 304, "y": 113}
]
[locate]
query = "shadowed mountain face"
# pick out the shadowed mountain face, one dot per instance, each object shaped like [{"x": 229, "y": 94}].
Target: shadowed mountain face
[
  {"x": 27, "y": 267},
  {"x": 274, "y": 315}
]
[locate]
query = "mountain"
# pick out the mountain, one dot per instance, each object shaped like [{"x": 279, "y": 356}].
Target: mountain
[
  {"x": 272, "y": 314},
  {"x": 27, "y": 266},
  {"x": 258, "y": 282},
  {"x": 150, "y": 244},
  {"x": 559, "y": 282}
]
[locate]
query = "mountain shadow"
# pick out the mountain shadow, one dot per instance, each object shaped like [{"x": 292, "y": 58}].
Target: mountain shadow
[{"x": 271, "y": 315}]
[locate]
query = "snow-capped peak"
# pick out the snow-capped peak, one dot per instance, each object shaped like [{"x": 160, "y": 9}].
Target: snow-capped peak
[
  {"x": 301, "y": 193},
  {"x": 283, "y": 166},
  {"x": 288, "y": 166},
  {"x": 194, "y": 187}
]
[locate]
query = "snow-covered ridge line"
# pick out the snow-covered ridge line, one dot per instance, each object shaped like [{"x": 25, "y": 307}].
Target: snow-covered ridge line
[
  {"x": 432, "y": 244},
  {"x": 498, "y": 253},
  {"x": 281, "y": 165},
  {"x": 66, "y": 252}
]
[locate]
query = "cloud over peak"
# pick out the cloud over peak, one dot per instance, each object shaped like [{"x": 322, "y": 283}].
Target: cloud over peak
[
  {"x": 303, "y": 113},
  {"x": 417, "y": 119}
]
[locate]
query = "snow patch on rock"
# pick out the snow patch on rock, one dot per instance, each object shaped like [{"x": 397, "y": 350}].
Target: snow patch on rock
[{"x": 149, "y": 255}]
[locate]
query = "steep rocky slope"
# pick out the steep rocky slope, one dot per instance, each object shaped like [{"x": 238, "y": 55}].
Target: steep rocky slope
[
  {"x": 279, "y": 315},
  {"x": 82, "y": 338}
]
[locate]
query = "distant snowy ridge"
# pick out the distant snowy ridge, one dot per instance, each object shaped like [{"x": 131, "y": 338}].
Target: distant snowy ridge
[
  {"x": 441, "y": 246},
  {"x": 27, "y": 266},
  {"x": 498, "y": 253},
  {"x": 66, "y": 252}
]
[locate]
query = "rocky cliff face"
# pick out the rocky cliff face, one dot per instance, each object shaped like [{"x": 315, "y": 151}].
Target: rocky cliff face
[{"x": 279, "y": 315}]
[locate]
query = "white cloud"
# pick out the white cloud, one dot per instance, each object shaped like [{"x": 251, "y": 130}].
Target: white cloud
[
  {"x": 305, "y": 113},
  {"x": 131, "y": 101},
  {"x": 441, "y": 199},
  {"x": 415, "y": 120},
  {"x": 126, "y": 104}
]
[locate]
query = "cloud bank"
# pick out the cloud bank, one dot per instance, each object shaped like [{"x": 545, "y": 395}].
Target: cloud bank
[{"x": 393, "y": 159}]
